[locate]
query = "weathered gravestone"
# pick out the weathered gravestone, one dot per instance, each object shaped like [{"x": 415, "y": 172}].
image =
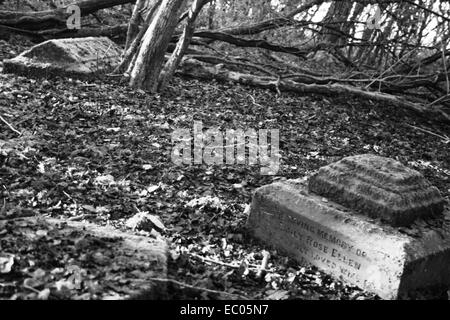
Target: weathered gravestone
[
  {"x": 80, "y": 57},
  {"x": 378, "y": 187},
  {"x": 386, "y": 230}
]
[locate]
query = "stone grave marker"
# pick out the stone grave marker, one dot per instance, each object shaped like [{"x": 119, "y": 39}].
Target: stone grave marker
[
  {"x": 78, "y": 57},
  {"x": 366, "y": 220},
  {"x": 378, "y": 187}
]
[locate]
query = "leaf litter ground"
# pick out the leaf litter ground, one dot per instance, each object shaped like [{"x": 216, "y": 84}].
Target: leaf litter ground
[{"x": 100, "y": 151}]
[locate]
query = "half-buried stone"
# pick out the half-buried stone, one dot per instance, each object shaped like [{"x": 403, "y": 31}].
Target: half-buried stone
[
  {"x": 355, "y": 244},
  {"x": 96, "y": 262},
  {"x": 78, "y": 57}
]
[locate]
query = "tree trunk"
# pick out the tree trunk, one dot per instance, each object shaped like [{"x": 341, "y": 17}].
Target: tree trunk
[
  {"x": 335, "y": 27},
  {"x": 211, "y": 14},
  {"x": 129, "y": 56},
  {"x": 183, "y": 43},
  {"x": 150, "y": 57},
  {"x": 133, "y": 27}
]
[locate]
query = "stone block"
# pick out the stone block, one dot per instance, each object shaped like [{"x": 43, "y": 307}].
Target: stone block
[
  {"x": 378, "y": 187},
  {"x": 353, "y": 248},
  {"x": 78, "y": 57}
]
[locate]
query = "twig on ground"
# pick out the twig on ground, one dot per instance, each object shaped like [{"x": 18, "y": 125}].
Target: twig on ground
[
  {"x": 438, "y": 100},
  {"x": 445, "y": 139},
  {"x": 204, "y": 259},
  {"x": 10, "y": 126},
  {"x": 276, "y": 84},
  {"x": 31, "y": 288},
  {"x": 254, "y": 101},
  {"x": 82, "y": 216},
  {"x": 265, "y": 260},
  {"x": 188, "y": 286}
]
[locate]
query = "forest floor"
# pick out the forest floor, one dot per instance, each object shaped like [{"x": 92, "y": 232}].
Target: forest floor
[{"x": 100, "y": 151}]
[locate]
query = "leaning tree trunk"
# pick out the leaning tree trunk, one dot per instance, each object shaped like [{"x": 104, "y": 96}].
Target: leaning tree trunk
[
  {"x": 150, "y": 58},
  {"x": 133, "y": 27},
  {"x": 130, "y": 50},
  {"x": 184, "y": 41},
  {"x": 334, "y": 27},
  {"x": 211, "y": 14}
]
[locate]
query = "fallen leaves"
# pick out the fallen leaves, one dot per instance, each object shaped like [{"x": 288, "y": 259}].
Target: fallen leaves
[
  {"x": 277, "y": 294},
  {"x": 145, "y": 221},
  {"x": 99, "y": 151},
  {"x": 204, "y": 202},
  {"x": 55, "y": 261},
  {"x": 105, "y": 180},
  {"x": 6, "y": 262}
]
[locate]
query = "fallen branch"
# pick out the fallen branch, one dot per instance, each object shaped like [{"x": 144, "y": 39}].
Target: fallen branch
[
  {"x": 191, "y": 67},
  {"x": 53, "y": 18},
  {"x": 10, "y": 126},
  {"x": 6, "y": 31},
  {"x": 444, "y": 139},
  {"x": 251, "y": 43},
  {"x": 237, "y": 64},
  {"x": 112, "y": 32}
]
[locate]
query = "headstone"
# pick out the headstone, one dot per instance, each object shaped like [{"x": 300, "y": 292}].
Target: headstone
[
  {"x": 122, "y": 264},
  {"x": 359, "y": 249},
  {"x": 378, "y": 187},
  {"x": 78, "y": 57}
]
